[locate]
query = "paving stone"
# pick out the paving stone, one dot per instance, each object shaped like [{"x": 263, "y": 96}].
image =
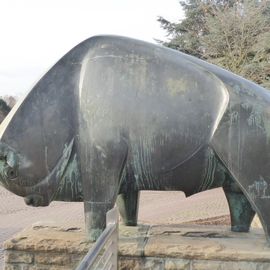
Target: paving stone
[
  {"x": 178, "y": 264},
  {"x": 52, "y": 259},
  {"x": 223, "y": 265},
  {"x": 18, "y": 257},
  {"x": 128, "y": 264}
]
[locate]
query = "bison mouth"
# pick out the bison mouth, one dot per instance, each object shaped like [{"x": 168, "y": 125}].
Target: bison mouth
[
  {"x": 36, "y": 200},
  {"x": 43, "y": 193}
]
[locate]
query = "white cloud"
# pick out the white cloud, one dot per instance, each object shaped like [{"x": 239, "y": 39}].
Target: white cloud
[{"x": 36, "y": 33}]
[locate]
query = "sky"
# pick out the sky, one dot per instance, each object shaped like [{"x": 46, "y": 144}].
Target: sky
[{"x": 37, "y": 33}]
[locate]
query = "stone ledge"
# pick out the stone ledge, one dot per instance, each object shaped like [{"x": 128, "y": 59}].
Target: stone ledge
[
  {"x": 49, "y": 238},
  {"x": 207, "y": 243},
  {"x": 151, "y": 263},
  {"x": 194, "y": 242},
  {"x": 170, "y": 247}
]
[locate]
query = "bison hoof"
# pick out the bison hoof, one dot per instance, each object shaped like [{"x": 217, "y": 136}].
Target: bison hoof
[{"x": 240, "y": 228}]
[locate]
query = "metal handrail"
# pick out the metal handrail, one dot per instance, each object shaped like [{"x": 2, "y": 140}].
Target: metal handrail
[{"x": 109, "y": 240}]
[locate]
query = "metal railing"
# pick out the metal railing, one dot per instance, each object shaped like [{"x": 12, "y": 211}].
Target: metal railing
[{"x": 103, "y": 254}]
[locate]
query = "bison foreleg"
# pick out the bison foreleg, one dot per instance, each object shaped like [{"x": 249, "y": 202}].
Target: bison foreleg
[{"x": 101, "y": 174}]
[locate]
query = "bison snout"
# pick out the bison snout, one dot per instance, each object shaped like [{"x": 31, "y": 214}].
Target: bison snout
[{"x": 35, "y": 200}]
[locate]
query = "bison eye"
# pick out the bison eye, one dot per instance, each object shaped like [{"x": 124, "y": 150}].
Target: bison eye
[{"x": 10, "y": 173}]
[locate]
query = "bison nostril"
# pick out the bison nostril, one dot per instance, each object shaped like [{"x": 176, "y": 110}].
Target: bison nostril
[{"x": 35, "y": 200}]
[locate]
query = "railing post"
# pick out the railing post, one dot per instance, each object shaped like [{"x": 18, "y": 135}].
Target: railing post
[
  {"x": 112, "y": 218},
  {"x": 104, "y": 253}
]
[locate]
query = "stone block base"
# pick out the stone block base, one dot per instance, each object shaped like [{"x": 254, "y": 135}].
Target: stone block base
[{"x": 187, "y": 247}]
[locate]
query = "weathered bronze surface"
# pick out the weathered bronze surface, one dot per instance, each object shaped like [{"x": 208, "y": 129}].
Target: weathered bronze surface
[{"x": 115, "y": 116}]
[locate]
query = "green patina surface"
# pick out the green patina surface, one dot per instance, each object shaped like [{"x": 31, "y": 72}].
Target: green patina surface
[
  {"x": 70, "y": 186},
  {"x": 8, "y": 167}
]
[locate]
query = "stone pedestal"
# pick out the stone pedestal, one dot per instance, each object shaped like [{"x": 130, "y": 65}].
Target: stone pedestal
[{"x": 169, "y": 247}]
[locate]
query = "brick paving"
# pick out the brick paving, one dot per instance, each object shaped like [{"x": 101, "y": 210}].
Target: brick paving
[{"x": 155, "y": 207}]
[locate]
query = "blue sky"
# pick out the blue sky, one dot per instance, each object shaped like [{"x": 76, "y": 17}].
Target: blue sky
[{"x": 36, "y": 33}]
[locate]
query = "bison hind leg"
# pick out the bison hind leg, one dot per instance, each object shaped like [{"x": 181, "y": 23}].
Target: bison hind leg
[
  {"x": 241, "y": 210},
  {"x": 128, "y": 204}
]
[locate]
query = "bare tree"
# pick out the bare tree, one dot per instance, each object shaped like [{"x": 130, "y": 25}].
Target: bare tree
[
  {"x": 232, "y": 34},
  {"x": 238, "y": 38}
]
